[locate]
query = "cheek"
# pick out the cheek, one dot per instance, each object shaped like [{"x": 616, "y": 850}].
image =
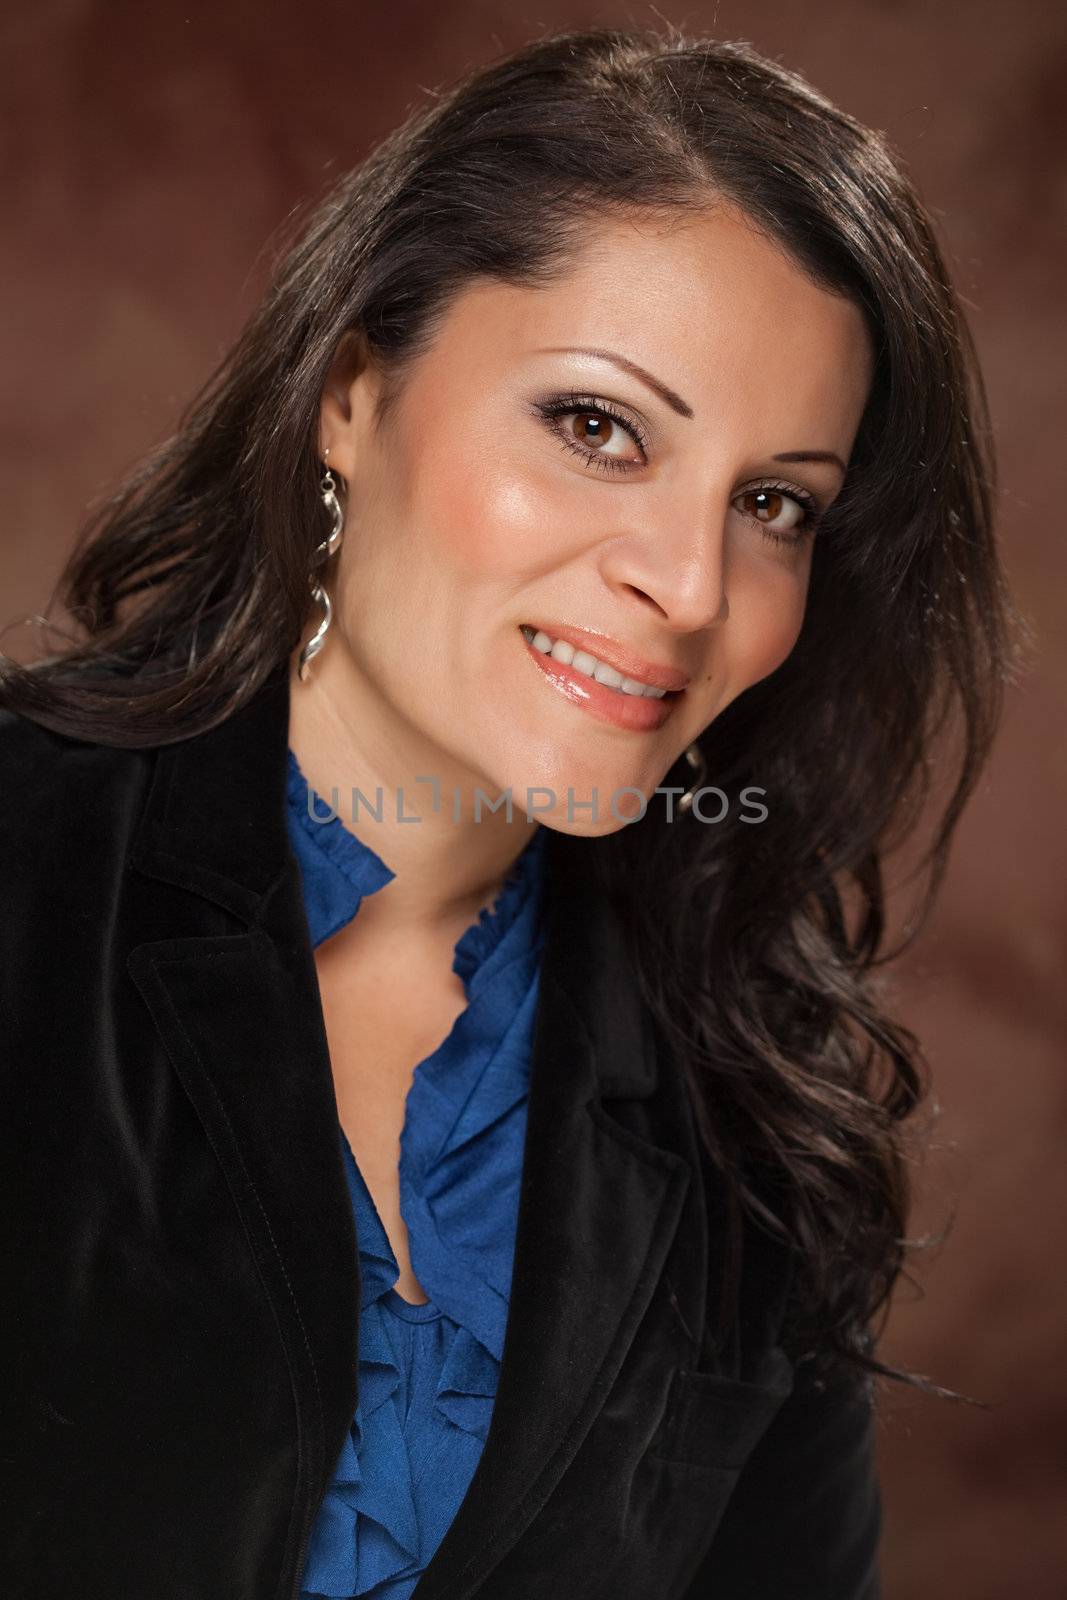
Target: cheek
[
  {"x": 766, "y": 615},
  {"x": 492, "y": 523}
]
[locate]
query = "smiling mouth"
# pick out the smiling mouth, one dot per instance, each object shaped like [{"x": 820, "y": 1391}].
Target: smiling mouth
[{"x": 584, "y": 662}]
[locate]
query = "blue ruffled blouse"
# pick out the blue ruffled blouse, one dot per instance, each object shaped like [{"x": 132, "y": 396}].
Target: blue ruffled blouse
[{"x": 428, "y": 1373}]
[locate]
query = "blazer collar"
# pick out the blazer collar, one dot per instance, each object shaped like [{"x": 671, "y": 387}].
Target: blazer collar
[{"x": 214, "y": 823}]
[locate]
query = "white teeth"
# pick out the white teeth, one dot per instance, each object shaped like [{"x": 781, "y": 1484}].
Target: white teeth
[
  {"x": 583, "y": 662},
  {"x": 608, "y": 675}
]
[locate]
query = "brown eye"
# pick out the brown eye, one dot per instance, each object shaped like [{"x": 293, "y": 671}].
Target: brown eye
[
  {"x": 594, "y": 431},
  {"x": 597, "y": 431},
  {"x": 780, "y": 511}
]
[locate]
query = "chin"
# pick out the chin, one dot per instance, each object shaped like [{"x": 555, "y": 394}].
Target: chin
[
  {"x": 559, "y": 793},
  {"x": 578, "y": 829},
  {"x": 578, "y": 820}
]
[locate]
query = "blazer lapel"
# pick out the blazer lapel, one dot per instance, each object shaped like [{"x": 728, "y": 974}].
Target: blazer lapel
[
  {"x": 234, "y": 1014},
  {"x": 241, "y": 1017},
  {"x": 598, "y": 1210}
]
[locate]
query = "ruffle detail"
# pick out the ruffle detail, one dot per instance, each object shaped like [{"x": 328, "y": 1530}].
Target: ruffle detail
[
  {"x": 468, "y": 1383},
  {"x": 475, "y": 946},
  {"x": 461, "y": 1152},
  {"x": 376, "y": 1527},
  {"x": 337, "y": 869},
  {"x": 428, "y": 1374},
  {"x": 366, "y": 1531}
]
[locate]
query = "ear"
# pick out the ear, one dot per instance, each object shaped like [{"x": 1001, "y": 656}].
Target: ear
[{"x": 343, "y": 406}]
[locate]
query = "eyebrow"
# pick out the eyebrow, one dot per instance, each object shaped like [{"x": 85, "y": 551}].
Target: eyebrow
[
  {"x": 812, "y": 455},
  {"x": 675, "y": 401}
]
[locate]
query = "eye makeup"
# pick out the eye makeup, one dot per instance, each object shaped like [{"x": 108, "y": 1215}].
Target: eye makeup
[
  {"x": 577, "y": 404},
  {"x": 553, "y": 410}
]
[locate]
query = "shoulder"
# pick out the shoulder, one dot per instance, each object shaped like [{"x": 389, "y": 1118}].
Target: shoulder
[
  {"x": 68, "y": 808},
  {"x": 40, "y": 764},
  {"x": 45, "y": 767}
]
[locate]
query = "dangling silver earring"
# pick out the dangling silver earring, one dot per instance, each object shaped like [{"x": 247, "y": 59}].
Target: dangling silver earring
[
  {"x": 323, "y": 552},
  {"x": 695, "y": 757}
]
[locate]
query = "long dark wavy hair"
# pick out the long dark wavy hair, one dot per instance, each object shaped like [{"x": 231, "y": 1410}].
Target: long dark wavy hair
[{"x": 755, "y": 947}]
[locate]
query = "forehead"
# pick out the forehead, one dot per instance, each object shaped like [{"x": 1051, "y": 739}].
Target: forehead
[{"x": 703, "y": 300}]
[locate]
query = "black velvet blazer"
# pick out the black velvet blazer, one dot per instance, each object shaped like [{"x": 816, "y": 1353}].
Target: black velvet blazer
[{"x": 180, "y": 1271}]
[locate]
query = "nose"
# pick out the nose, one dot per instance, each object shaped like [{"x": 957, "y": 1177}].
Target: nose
[{"x": 675, "y": 562}]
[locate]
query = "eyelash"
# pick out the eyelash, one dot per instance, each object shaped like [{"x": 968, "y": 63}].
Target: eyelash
[{"x": 551, "y": 411}]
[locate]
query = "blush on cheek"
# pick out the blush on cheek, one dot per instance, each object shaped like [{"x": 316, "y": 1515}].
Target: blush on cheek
[
  {"x": 766, "y": 639},
  {"x": 492, "y": 527}
]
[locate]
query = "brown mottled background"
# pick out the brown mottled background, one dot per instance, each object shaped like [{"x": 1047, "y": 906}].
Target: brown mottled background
[{"x": 151, "y": 152}]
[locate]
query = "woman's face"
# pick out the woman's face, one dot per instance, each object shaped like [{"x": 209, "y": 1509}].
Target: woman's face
[{"x": 530, "y": 476}]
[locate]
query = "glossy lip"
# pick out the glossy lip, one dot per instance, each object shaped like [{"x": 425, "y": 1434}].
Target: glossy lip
[
  {"x": 635, "y": 712},
  {"x": 614, "y": 655}
]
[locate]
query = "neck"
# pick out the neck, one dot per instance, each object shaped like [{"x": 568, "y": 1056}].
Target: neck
[{"x": 448, "y": 864}]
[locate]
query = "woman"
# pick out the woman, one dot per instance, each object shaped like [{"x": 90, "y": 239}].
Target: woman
[{"x": 430, "y": 1195}]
